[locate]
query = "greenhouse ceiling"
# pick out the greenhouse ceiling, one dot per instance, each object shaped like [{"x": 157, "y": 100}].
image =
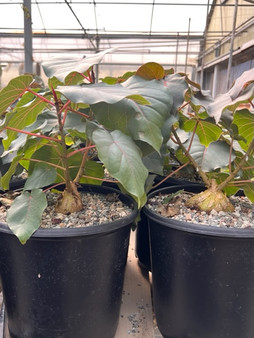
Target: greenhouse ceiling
[{"x": 169, "y": 32}]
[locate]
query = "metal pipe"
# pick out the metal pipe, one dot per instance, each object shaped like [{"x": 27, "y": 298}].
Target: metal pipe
[
  {"x": 177, "y": 44},
  {"x": 28, "y": 49},
  {"x": 228, "y": 81},
  {"x": 187, "y": 46}
]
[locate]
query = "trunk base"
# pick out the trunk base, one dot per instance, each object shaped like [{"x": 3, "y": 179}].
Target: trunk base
[
  {"x": 211, "y": 199},
  {"x": 70, "y": 201}
]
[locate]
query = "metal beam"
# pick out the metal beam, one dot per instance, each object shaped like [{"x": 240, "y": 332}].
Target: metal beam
[{"x": 175, "y": 36}]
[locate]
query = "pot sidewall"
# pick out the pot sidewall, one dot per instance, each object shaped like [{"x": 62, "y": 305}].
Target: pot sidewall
[
  {"x": 202, "y": 278},
  {"x": 68, "y": 284}
]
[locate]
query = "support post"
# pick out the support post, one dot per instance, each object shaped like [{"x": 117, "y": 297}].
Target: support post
[
  {"x": 231, "y": 46},
  {"x": 28, "y": 36},
  {"x": 187, "y": 47}
]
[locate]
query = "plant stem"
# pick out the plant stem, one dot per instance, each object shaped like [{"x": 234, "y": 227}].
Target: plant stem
[
  {"x": 80, "y": 150},
  {"x": 64, "y": 149},
  {"x": 223, "y": 184},
  {"x": 171, "y": 174},
  {"x": 83, "y": 162},
  {"x": 33, "y": 134},
  {"x": 40, "y": 97},
  {"x": 191, "y": 159}
]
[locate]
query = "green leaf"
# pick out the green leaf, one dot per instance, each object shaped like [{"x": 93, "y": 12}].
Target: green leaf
[
  {"x": 42, "y": 176},
  {"x": 75, "y": 122},
  {"x": 92, "y": 171},
  {"x": 21, "y": 118},
  {"x": 61, "y": 67},
  {"x": 24, "y": 215},
  {"x": 141, "y": 122},
  {"x": 50, "y": 155},
  {"x": 214, "y": 157},
  {"x": 13, "y": 91},
  {"x": 244, "y": 120},
  {"x": 154, "y": 163},
  {"x": 206, "y": 130},
  {"x": 74, "y": 78},
  {"x": 53, "y": 82},
  {"x": 5, "y": 179},
  {"x": 97, "y": 92},
  {"x": 248, "y": 189},
  {"x": 122, "y": 159},
  {"x": 177, "y": 86},
  {"x": 32, "y": 145}
]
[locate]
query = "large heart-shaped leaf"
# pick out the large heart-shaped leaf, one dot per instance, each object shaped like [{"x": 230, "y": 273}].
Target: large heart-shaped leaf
[
  {"x": 141, "y": 122},
  {"x": 177, "y": 86},
  {"x": 122, "y": 159},
  {"x": 97, "y": 92},
  {"x": 210, "y": 158},
  {"x": 215, "y": 156},
  {"x": 24, "y": 215},
  {"x": 13, "y": 91},
  {"x": 60, "y": 67}
]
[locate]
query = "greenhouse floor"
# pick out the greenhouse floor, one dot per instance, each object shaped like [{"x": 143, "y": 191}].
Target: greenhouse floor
[{"x": 136, "y": 315}]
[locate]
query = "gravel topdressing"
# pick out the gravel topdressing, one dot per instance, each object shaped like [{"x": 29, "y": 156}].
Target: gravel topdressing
[
  {"x": 98, "y": 209},
  {"x": 242, "y": 217}
]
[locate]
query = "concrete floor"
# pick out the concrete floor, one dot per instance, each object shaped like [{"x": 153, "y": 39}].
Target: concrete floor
[{"x": 136, "y": 315}]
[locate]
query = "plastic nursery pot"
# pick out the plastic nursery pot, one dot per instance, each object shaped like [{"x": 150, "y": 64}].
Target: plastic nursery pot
[
  {"x": 66, "y": 283},
  {"x": 202, "y": 277},
  {"x": 142, "y": 247}
]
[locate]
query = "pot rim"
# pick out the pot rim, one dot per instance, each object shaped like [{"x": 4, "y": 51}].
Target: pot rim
[
  {"x": 196, "y": 228},
  {"x": 87, "y": 230}
]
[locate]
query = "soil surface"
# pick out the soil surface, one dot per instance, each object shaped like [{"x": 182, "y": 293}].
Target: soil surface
[
  {"x": 175, "y": 208},
  {"x": 98, "y": 209}
]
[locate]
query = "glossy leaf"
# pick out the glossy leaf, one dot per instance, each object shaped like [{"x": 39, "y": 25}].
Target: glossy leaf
[
  {"x": 244, "y": 120},
  {"x": 13, "y": 91},
  {"x": 206, "y": 130},
  {"x": 24, "y": 215},
  {"x": 122, "y": 159}
]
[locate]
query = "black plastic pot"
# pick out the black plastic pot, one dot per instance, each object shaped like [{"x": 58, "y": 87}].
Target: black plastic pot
[
  {"x": 203, "y": 277},
  {"x": 66, "y": 283},
  {"x": 142, "y": 248}
]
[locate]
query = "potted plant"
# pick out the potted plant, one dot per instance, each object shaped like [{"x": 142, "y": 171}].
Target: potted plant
[
  {"x": 203, "y": 267},
  {"x": 67, "y": 281}
]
